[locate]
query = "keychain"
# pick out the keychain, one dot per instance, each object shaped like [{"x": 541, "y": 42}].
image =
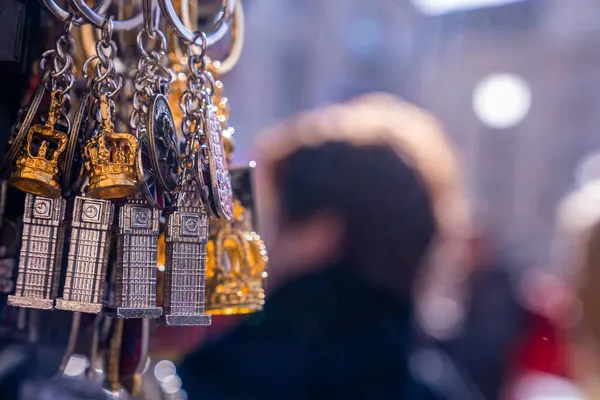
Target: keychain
[
  {"x": 110, "y": 164},
  {"x": 37, "y": 173},
  {"x": 187, "y": 224},
  {"x": 237, "y": 256},
  {"x": 157, "y": 167}
]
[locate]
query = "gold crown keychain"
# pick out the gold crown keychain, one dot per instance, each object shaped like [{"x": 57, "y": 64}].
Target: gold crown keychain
[
  {"x": 110, "y": 159},
  {"x": 37, "y": 169}
]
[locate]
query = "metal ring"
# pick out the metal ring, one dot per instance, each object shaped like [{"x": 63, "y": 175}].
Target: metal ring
[
  {"x": 97, "y": 20},
  {"x": 151, "y": 17},
  {"x": 64, "y": 16},
  {"x": 236, "y": 41},
  {"x": 221, "y": 26},
  {"x": 200, "y": 41},
  {"x": 186, "y": 11}
]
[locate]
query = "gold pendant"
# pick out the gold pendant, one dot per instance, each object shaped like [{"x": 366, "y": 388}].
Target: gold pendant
[
  {"x": 37, "y": 168},
  {"x": 237, "y": 257},
  {"x": 236, "y": 269},
  {"x": 110, "y": 159}
]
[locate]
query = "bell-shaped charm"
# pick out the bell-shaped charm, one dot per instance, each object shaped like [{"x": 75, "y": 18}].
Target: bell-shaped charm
[
  {"x": 255, "y": 272},
  {"x": 236, "y": 269},
  {"x": 37, "y": 168},
  {"x": 110, "y": 159}
]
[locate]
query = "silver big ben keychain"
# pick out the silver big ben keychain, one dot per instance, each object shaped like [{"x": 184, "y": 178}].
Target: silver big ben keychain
[
  {"x": 187, "y": 225},
  {"x": 186, "y": 237},
  {"x": 157, "y": 167}
]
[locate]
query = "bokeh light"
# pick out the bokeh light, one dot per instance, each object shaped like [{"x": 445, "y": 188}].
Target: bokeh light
[
  {"x": 502, "y": 101},
  {"x": 438, "y": 7},
  {"x": 164, "y": 371},
  {"x": 76, "y": 365}
]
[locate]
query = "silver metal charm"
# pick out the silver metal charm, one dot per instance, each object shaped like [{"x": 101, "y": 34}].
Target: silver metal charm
[
  {"x": 220, "y": 180},
  {"x": 152, "y": 121},
  {"x": 186, "y": 238},
  {"x": 212, "y": 172},
  {"x": 162, "y": 142},
  {"x": 88, "y": 256},
  {"x": 41, "y": 253},
  {"x": 187, "y": 225},
  {"x": 137, "y": 240},
  {"x": 135, "y": 294}
]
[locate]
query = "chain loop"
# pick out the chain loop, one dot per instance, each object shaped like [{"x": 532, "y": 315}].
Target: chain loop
[
  {"x": 153, "y": 74},
  {"x": 159, "y": 40},
  {"x": 105, "y": 82},
  {"x": 58, "y": 63},
  {"x": 107, "y": 30},
  {"x": 194, "y": 101}
]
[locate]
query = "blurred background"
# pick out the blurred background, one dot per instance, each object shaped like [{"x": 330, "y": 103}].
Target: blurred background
[{"x": 515, "y": 84}]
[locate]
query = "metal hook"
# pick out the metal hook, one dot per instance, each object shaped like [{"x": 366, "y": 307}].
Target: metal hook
[
  {"x": 221, "y": 26},
  {"x": 236, "y": 41},
  {"x": 107, "y": 30},
  {"x": 64, "y": 16},
  {"x": 151, "y": 17},
  {"x": 93, "y": 18}
]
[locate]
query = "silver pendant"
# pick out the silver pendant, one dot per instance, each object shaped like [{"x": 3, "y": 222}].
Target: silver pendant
[
  {"x": 214, "y": 164},
  {"x": 162, "y": 142},
  {"x": 41, "y": 253},
  {"x": 88, "y": 256},
  {"x": 186, "y": 237},
  {"x": 135, "y": 281}
]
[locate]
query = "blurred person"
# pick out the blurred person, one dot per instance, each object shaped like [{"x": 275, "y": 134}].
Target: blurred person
[
  {"x": 565, "y": 302},
  {"x": 357, "y": 201},
  {"x": 580, "y": 219},
  {"x": 494, "y": 321}
]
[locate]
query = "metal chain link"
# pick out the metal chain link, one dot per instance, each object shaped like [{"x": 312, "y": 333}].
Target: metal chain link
[
  {"x": 152, "y": 76},
  {"x": 199, "y": 88},
  {"x": 59, "y": 63},
  {"x": 106, "y": 81}
]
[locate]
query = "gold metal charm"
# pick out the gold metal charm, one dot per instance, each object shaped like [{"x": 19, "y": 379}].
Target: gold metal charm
[
  {"x": 236, "y": 269},
  {"x": 237, "y": 257},
  {"x": 37, "y": 168},
  {"x": 110, "y": 159}
]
